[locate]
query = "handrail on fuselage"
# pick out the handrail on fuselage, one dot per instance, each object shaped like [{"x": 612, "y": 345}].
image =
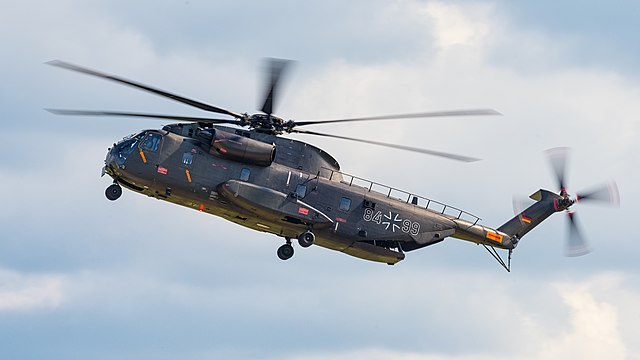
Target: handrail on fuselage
[{"x": 413, "y": 199}]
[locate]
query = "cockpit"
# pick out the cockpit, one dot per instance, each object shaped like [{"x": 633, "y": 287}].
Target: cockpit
[
  {"x": 148, "y": 140},
  {"x": 125, "y": 147}
]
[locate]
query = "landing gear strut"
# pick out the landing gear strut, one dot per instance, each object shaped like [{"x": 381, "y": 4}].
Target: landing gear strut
[
  {"x": 306, "y": 239},
  {"x": 113, "y": 192},
  {"x": 285, "y": 252}
]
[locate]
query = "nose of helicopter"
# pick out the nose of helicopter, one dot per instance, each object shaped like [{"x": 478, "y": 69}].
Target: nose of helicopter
[{"x": 110, "y": 163}]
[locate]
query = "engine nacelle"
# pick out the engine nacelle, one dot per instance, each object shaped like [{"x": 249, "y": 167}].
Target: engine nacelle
[{"x": 242, "y": 149}]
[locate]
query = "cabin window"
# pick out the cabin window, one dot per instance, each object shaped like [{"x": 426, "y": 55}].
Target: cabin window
[
  {"x": 187, "y": 158},
  {"x": 244, "y": 174},
  {"x": 345, "y": 204},
  {"x": 301, "y": 190},
  {"x": 151, "y": 142}
]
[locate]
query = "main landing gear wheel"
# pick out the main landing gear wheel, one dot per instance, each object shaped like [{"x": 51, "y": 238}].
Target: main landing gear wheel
[
  {"x": 285, "y": 252},
  {"x": 113, "y": 192},
  {"x": 306, "y": 239}
]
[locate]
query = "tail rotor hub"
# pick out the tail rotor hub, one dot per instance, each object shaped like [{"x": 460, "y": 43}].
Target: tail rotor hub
[
  {"x": 566, "y": 201},
  {"x": 563, "y": 203}
]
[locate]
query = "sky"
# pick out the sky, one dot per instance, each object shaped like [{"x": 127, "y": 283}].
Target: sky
[{"x": 82, "y": 277}]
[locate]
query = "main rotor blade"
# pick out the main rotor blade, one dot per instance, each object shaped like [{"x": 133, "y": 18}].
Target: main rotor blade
[
  {"x": 194, "y": 103},
  {"x": 401, "y": 147},
  {"x": 405, "y": 116},
  {"x": 142, "y": 115},
  {"x": 276, "y": 70},
  {"x": 576, "y": 244},
  {"x": 607, "y": 193},
  {"x": 558, "y": 160}
]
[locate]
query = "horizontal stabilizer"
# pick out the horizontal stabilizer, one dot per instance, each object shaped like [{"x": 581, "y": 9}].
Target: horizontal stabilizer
[{"x": 544, "y": 194}]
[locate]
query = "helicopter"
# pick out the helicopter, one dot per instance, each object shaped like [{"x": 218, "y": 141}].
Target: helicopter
[{"x": 251, "y": 175}]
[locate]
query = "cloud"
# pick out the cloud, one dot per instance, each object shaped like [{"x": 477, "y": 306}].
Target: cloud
[
  {"x": 138, "y": 275},
  {"x": 27, "y": 293},
  {"x": 382, "y": 354},
  {"x": 454, "y": 25},
  {"x": 594, "y": 330}
]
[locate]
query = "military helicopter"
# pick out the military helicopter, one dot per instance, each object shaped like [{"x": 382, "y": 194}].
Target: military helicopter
[{"x": 250, "y": 175}]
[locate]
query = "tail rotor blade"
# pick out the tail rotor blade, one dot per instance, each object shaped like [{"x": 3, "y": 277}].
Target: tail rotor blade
[
  {"x": 558, "y": 160},
  {"x": 576, "y": 244},
  {"x": 607, "y": 194}
]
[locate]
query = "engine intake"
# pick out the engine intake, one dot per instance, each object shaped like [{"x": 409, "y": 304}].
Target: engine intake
[{"x": 242, "y": 149}]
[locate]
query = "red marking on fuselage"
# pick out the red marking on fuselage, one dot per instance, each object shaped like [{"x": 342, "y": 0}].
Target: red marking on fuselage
[{"x": 222, "y": 166}]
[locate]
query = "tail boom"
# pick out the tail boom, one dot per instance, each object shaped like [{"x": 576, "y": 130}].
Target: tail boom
[
  {"x": 508, "y": 235},
  {"x": 547, "y": 203}
]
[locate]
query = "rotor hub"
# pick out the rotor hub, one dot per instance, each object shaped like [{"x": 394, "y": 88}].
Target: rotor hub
[
  {"x": 267, "y": 122},
  {"x": 564, "y": 203}
]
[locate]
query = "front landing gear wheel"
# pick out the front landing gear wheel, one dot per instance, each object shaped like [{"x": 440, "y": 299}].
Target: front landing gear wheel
[
  {"x": 306, "y": 239},
  {"x": 113, "y": 192},
  {"x": 285, "y": 252}
]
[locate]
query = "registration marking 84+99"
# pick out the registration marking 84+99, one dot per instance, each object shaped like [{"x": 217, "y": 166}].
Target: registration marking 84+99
[{"x": 391, "y": 221}]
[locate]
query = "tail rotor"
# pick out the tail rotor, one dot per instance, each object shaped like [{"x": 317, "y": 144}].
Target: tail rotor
[{"x": 576, "y": 244}]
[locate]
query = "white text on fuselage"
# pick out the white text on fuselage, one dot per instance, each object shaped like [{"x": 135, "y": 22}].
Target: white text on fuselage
[{"x": 391, "y": 221}]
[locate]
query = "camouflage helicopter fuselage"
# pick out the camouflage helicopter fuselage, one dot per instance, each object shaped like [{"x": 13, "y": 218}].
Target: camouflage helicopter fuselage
[{"x": 287, "y": 188}]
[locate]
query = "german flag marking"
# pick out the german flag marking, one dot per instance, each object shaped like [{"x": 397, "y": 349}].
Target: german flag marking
[
  {"x": 525, "y": 218},
  {"x": 144, "y": 158},
  {"x": 493, "y": 236},
  {"x": 186, "y": 171}
]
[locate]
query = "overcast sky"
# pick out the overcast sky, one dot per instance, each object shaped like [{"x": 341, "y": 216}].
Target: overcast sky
[{"x": 82, "y": 277}]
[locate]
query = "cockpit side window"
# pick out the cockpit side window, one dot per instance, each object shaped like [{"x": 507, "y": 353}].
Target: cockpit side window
[{"x": 151, "y": 142}]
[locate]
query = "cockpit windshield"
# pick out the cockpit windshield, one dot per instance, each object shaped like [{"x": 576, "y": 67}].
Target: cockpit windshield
[
  {"x": 123, "y": 148},
  {"x": 151, "y": 142},
  {"x": 137, "y": 136}
]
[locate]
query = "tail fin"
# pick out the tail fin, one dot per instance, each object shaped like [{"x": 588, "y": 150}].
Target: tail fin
[{"x": 532, "y": 216}]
